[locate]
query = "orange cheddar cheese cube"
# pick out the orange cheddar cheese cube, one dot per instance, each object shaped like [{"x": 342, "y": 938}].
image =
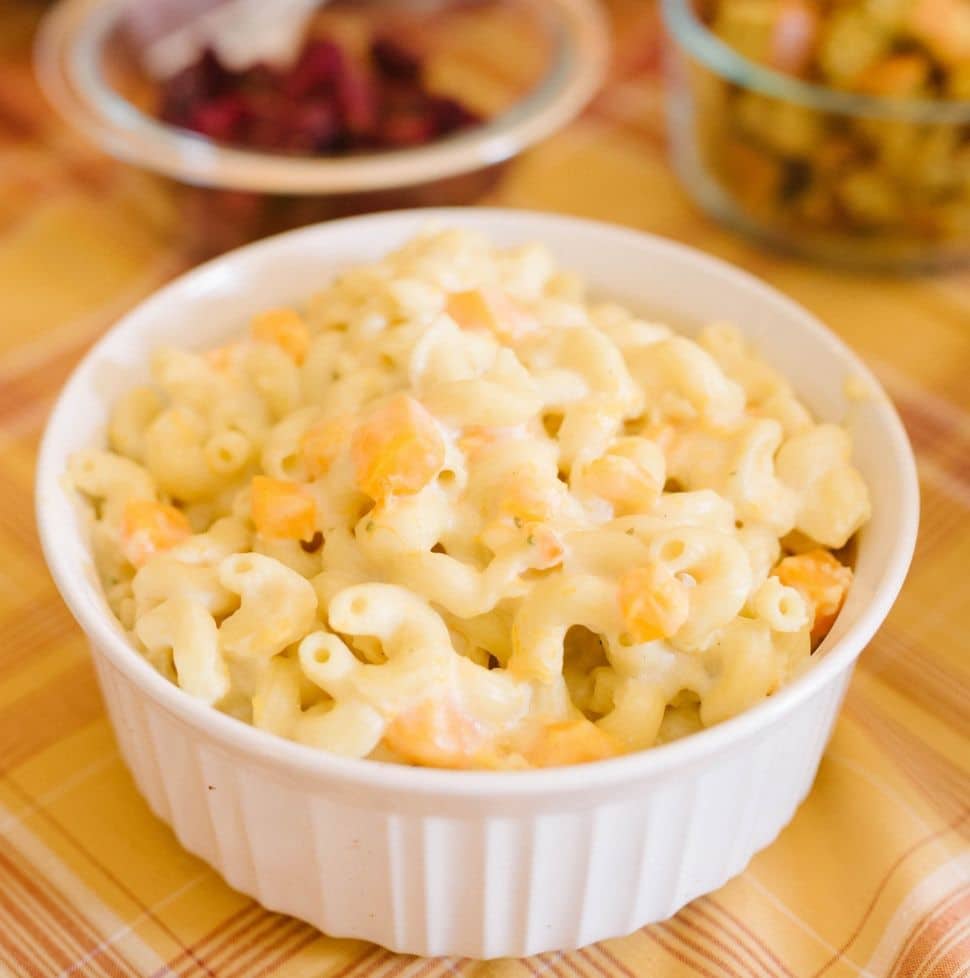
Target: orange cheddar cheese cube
[
  {"x": 399, "y": 449},
  {"x": 284, "y": 327},
  {"x": 148, "y": 527},
  {"x": 571, "y": 742},
  {"x": 321, "y": 444},
  {"x": 653, "y": 603},
  {"x": 527, "y": 498},
  {"x": 283, "y": 510},
  {"x": 822, "y": 581},
  {"x": 492, "y": 310},
  {"x": 622, "y": 482},
  {"x": 220, "y": 358},
  {"x": 438, "y": 733}
]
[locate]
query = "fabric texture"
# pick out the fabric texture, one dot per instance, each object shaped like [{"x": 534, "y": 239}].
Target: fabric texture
[{"x": 873, "y": 875}]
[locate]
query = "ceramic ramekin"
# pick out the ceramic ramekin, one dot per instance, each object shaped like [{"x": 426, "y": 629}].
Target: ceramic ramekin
[{"x": 481, "y": 864}]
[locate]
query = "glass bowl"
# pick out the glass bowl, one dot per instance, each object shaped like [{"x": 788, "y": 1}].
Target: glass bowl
[
  {"x": 858, "y": 180},
  {"x": 526, "y": 66}
]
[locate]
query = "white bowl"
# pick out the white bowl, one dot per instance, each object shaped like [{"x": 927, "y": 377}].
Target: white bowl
[{"x": 478, "y": 863}]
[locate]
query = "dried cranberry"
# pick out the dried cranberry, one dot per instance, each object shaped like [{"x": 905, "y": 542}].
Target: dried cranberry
[
  {"x": 312, "y": 126},
  {"x": 172, "y": 112},
  {"x": 204, "y": 78},
  {"x": 266, "y": 126},
  {"x": 450, "y": 114},
  {"x": 393, "y": 60},
  {"x": 402, "y": 96},
  {"x": 182, "y": 92},
  {"x": 355, "y": 97},
  {"x": 219, "y": 118},
  {"x": 327, "y": 101},
  {"x": 199, "y": 82},
  {"x": 216, "y": 78},
  {"x": 261, "y": 78},
  {"x": 318, "y": 67},
  {"x": 407, "y": 129}
]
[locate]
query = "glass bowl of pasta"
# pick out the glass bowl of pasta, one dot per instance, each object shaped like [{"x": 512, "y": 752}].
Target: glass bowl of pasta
[
  {"x": 837, "y": 130},
  {"x": 443, "y": 595}
]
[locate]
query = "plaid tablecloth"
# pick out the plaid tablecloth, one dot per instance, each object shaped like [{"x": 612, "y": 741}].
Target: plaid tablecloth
[{"x": 871, "y": 878}]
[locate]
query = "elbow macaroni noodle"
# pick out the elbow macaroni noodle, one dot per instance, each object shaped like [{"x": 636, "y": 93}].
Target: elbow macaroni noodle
[{"x": 452, "y": 513}]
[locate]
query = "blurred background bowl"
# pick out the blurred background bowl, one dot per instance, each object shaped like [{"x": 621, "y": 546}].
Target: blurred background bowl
[
  {"x": 527, "y": 67},
  {"x": 862, "y": 180}
]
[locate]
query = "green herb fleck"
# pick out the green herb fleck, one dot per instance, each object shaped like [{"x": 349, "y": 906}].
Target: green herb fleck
[
  {"x": 369, "y": 526},
  {"x": 517, "y": 522},
  {"x": 629, "y": 532},
  {"x": 530, "y": 540}
]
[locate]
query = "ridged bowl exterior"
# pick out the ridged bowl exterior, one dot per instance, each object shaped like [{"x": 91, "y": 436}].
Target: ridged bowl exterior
[
  {"x": 453, "y": 878},
  {"x": 482, "y": 864}
]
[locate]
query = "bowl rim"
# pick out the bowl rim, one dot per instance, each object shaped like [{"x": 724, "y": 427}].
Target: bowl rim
[
  {"x": 698, "y": 40},
  {"x": 66, "y": 60},
  {"x": 299, "y": 760}
]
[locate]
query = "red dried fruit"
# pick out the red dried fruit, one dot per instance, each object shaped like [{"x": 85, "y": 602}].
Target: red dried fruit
[
  {"x": 312, "y": 127},
  {"x": 355, "y": 98},
  {"x": 200, "y": 81},
  {"x": 393, "y": 60},
  {"x": 261, "y": 78},
  {"x": 265, "y": 125},
  {"x": 326, "y": 102},
  {"x": 450, "y": 114},
  {"x": 407, "y": 129},
  {"x": 317, "y": 68},
  {"x": 402, "y": 96},
  {"x": 221, "y": 118}
]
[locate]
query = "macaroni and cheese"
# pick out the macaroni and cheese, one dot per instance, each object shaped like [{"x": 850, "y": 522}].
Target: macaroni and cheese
[{"x": 454, "y": 513}]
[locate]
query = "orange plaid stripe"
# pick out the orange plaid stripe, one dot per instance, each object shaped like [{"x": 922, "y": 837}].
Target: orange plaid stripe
[{"x": 870, "y": 878}]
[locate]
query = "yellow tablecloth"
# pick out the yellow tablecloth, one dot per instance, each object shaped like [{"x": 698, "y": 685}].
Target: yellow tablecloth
[{"x": 871, "y": 878}]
